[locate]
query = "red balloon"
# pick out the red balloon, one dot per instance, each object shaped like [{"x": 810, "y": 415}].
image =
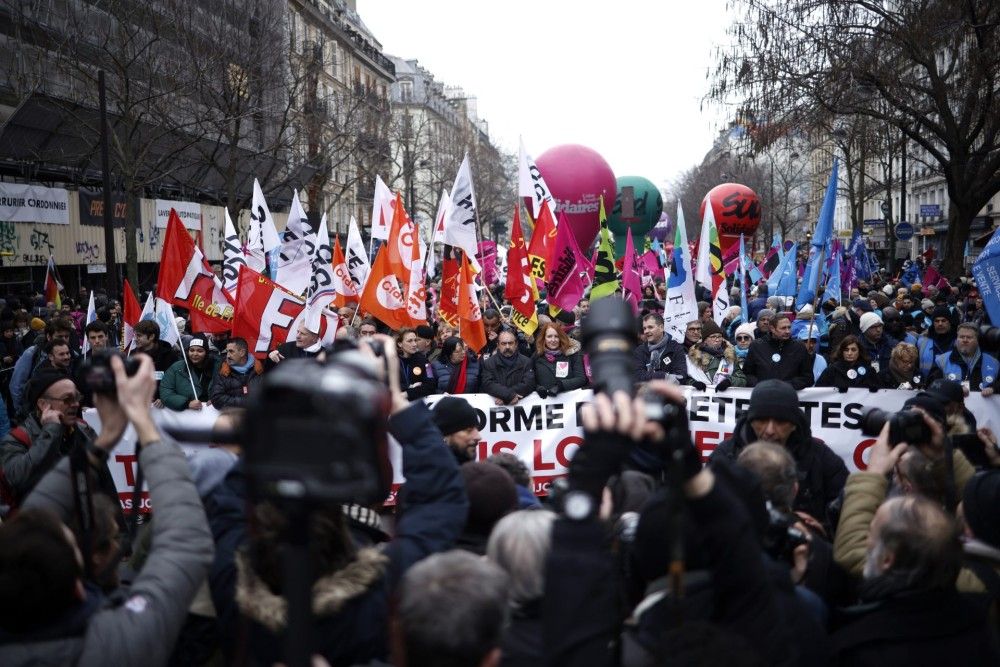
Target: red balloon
[
  {"x": 577, "y": 176},
  {"x": 737, "y": 211}
]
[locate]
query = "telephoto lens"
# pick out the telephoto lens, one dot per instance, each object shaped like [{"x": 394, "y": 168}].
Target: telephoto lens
[{"x": 609, "y": 337}]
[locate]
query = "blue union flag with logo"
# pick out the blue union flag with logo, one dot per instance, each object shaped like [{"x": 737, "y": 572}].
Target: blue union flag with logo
[{"x": 986, "y": 271}]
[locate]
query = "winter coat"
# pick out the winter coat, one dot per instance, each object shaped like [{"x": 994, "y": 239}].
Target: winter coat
[
  {"x": 838, "y": 374},
  {"x": 10, "y": 348},
  {"x": 793, "y": 363},
  {"x": 27, "y": 365},
  {"x": 352, "y": 627},
  {"x": 163, "y": 355},
  {"x": 415, "y": 379},
  {"x": 890, "y": 378},
  {"x": 563, "y": 373},
  {"x": 672, "y": 362},
  {"x": 230, "y": 387},
  {"x": 24, "y": 465},
  {"x": 176, "y": 391},
  {"x": 709, "y": 364},
  {"x": 880, "y": 352},
  {"x": 443, "y": 371},
  {"x": 143, "y": 630},
  {"x": 952, "y": 366},
  {"x": 503, "y": 381},
  {"x": 821, "y": 472}
]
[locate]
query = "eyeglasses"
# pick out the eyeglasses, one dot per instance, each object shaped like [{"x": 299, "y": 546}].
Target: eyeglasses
[
  {"x": 743, "y": 337},
  {"x": 68, "y": 399},
  {"x": 694, "y": 328}
]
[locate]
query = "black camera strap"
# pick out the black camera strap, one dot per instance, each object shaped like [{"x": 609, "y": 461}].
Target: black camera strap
[{"x": 83, "y": 502}]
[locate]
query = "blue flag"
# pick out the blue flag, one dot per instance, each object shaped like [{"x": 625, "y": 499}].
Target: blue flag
[
  {"x": 743, "y": 279},
  {"x": 911, "y": 274},
  {"x": 986, "y": 271},
  {"x": 782, "y": 281},
  {"x": 821, "y": 236},
  {"x": 833, "y": 289}
]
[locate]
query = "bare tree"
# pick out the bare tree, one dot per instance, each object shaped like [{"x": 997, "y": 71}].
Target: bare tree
[{"x": 926, "y": 68}]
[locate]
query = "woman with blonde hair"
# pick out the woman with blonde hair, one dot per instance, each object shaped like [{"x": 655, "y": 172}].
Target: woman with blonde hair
[{"x": 903, "y": 369}]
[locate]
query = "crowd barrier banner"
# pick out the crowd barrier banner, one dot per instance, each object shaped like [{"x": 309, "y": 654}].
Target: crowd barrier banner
[{"x": 545, "y": 433}]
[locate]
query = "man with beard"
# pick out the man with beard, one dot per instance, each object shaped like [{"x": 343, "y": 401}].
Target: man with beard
[
  {"x": 967, "y": 364},
  {"x": 507, "y": 376},
  {"x": 459, "y": 425},
  {"x": 938, "y": 340},
  {"x": 778, "y": 357},
  {"x": 52, "y": 430}
]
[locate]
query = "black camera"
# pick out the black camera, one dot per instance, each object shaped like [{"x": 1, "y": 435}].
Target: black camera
[
  {"x": 989, "y": 338},
  {"x": 782, "y": 536},
  {"x": 904, "y": 426},
  {"x": 318, "y": 432},
  {"x": 98, "y": 378},
  {"x": 608, "y": 336}
]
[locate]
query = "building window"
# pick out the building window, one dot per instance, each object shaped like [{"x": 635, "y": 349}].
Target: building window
[{"x": 405, "y": 90}]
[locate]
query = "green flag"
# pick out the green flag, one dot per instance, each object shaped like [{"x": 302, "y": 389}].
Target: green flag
[{"x": 606, "y": 280}]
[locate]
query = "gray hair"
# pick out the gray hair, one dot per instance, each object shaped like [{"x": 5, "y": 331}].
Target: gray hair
[
  {"x": 519, "y": 544},
  {"x": 923, "y": 540},
  {"x": 452, "y": 610},
  {"x": 775, "y": 468}
]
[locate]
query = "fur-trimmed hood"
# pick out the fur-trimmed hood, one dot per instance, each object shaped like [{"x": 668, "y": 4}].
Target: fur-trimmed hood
[
  {"x": 330, "y": 593},
  {"x": 703, "y": 359},
  {"x": 225, "y": 370}
]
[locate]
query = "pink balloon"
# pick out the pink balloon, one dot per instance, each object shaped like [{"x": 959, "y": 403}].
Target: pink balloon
[{"x": 577, "y": 177}]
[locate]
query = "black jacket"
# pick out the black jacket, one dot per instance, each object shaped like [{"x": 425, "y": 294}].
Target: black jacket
[
  {"x": 548, "y": 377},
  {"x": 162, "y": 354},
  {"x": 230, "y": 388},
  {"x": 838, "y": 375},
  {"x": 414, "y": 378},
  {"x": 673, "y": 361},
  {"x": 504, "y": 382},
  {"x": 793, "y": 364},
  {"x": 822, "y": 474}
]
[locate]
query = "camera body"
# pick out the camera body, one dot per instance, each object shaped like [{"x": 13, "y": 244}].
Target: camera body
[
  {"x": 98, "y": 378},
  {"x": 904, "y": 426},
  {"x": 782, "y": 536}
]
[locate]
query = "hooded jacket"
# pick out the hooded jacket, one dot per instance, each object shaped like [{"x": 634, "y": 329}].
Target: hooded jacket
[
  {"x": 175, "y": 388},
  {"x": 230, "y": 387},
  {"x": 822, "y": 473}
]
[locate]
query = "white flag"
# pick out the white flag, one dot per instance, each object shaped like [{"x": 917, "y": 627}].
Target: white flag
[
  {"x": 295, "y": 259},
  {"x": 444, "y": 206},
  {"x": 168, "y": 326},
  {"x": 357, "y": 258},
  {"x": 460, "y": 226},
  {"x": 531, "y": 184},
  {"x": 321, "y": 289},
  {"x": 91, "y": 316},
  {"x": 263, "y": 244},
  {"x": 382, "y": 210},
  {"x": 681, "y": 306},
  {"x": 703, "y": 268},
  {"x": 232, "y": 256}
]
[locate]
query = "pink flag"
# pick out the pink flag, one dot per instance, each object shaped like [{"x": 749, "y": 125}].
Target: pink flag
[
  {"x": 730, "y": 260},
  {"x": 569, "y": 269},
  {"x": 487, "y": 257},
  {"x": 650, "y": 263},
  {"x": 933, "y": 278},
  {"x": 631, "y": 274}
]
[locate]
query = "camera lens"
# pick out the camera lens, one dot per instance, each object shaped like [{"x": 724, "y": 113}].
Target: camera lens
[
  {"x": 873, "y": 420},
  {"x": 608, "y": 334}
]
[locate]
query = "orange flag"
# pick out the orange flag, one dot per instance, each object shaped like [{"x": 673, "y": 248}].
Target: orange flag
[
  {"x": 401, "y": 242},
  {"x": 471, "y": 327},
  {"x": 382, "y": 297},
  {"x": 344, "y": 288},
  {"x": 520, "y": 288},
  {"x": 543, "y": 239},
  {"x": 448, "y": 300}
]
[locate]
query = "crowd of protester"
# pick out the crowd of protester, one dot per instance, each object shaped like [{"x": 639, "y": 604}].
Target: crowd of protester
[{"x": 769, "y": 553}]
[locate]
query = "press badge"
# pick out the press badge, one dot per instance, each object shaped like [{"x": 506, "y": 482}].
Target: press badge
[{"x": 562, "y": 369}]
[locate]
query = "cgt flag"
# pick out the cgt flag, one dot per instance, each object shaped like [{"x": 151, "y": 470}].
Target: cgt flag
[
  {"x": 186, "y": 280},
  {"x": 382, "y": 297},
  {"x": 520, "y": 287},
  {"x": 344, "y": 288},
  {"x": 268, "y": 315},
  {"x": 471, "y": 327}
]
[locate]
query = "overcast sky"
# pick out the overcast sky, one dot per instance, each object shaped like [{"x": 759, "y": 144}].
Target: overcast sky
[{"x": 625, "y": 78}]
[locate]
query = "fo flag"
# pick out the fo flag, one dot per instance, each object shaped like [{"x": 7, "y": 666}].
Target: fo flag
[
  {"x": 268, "y": 315},
  {"x": 986, "y": 271},
  {"x": 186, "y": 280}
]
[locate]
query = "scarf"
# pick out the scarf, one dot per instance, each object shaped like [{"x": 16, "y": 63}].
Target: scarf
[
  {"x": 656, "y": 351},
  {"x": 716, "y": 352},
  {"x": 245, "y": 367},
  {"x": 740, "y": 353},
  {"x": 457, "y": 384},
  {"x": 505, "y": 362},
  {"x": 971, "y": 361},
  {"x": 551, "y": 356}
]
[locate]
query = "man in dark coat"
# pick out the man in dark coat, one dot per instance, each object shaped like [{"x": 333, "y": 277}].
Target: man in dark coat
[
  {"x": 236, "y": 376},
  {"x": 774, "y": 416},
  {"x": 147, "y": 341},
  {"x": 660, "y": 355},
  {"x": 778, "y": 357},
  {"x": 306, "y": 345},
  {"x": 507, "y": 376}
]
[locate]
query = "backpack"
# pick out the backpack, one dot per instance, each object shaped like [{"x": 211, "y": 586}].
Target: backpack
[{"x": 8, "y": 498}]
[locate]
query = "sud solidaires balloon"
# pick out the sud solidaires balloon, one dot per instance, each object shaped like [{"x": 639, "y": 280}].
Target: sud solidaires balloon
[
  {"x": 737, "y": 211},
  {"x": 578, "y": 176}
]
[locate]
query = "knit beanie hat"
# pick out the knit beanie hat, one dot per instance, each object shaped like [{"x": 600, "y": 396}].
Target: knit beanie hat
[
  {"x": 492, "y": 495},
  {"x": 425, "y": 332},
  {"x": 926, "y": 304},
  {"x": 981, "y": 505},
  {"x": 747, "y": 328},
  {"x": 868, "y": 320},
  {"x": 930, "y": 403},
  {"x": 37, "y": 324},
  {"x": 709, "y": 328},
  {"x": 772, "y": 399},
  {"x": 864, "y": 305},
  {"x": 453, "y": 414},
  {"x": 40, "y": 383},
  {"x": 941, "y": 311}
]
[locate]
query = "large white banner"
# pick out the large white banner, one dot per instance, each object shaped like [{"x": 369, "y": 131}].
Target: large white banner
[
  {"x": 20, "y": 202},
  {"x": 545, "y": 434},
  {"x": 188, "y": 212}
]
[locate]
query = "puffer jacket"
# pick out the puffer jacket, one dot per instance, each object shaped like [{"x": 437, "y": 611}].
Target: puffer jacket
[
  {"x": 230, "y": 387},
  {"x": 443, "y": 371},
  {"x": 176, "y": 391}
]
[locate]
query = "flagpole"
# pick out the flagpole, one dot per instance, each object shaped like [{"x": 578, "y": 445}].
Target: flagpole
[{"x": 184, "y": 354}]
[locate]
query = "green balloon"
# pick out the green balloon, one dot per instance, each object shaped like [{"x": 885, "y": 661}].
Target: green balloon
[{"x": 638, "y": 206}]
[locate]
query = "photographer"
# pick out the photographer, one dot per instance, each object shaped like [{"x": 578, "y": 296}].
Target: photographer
[
  {"x": 48, "y": 613},
  {"x": 353, "y": 585}
]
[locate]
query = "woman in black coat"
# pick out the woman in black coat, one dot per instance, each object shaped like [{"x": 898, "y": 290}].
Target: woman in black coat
[
  {"x": 558, "y": 364},
  {"x": 849, "y": 368},
  {"x": 413, "y": 364}
]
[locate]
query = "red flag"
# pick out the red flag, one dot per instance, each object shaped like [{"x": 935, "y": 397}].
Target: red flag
[
  {"x": 186, "y": 280},
  {"x": 448, "y": 300},
  {"x": 543, "y": 239},
  {"x": 131, "y": 312},
  {"x": 344, "y": 287},
  {"x": 566, "y": 267},
  {"x": 52, "y": 284},
  {"x": 382, "y": 297},
  {"x": 471, "y": 327},
  {"x": 269, "y": 315},
  {"x": 520, "y": 287}
]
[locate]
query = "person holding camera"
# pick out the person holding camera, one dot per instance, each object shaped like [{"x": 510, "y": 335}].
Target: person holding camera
[
  {"x": 53, "y": 431},
  {"x": 849, "y": 368},
  {"x": 558, "y": 362},
  {"x": 50, "y": 612},
  {"x": 967, "y": 363}
]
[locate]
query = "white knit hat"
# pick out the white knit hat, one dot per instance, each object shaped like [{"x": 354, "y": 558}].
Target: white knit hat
[
  {"x": 868, "y": 320},
  {"x": 747, "y": 328}
]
